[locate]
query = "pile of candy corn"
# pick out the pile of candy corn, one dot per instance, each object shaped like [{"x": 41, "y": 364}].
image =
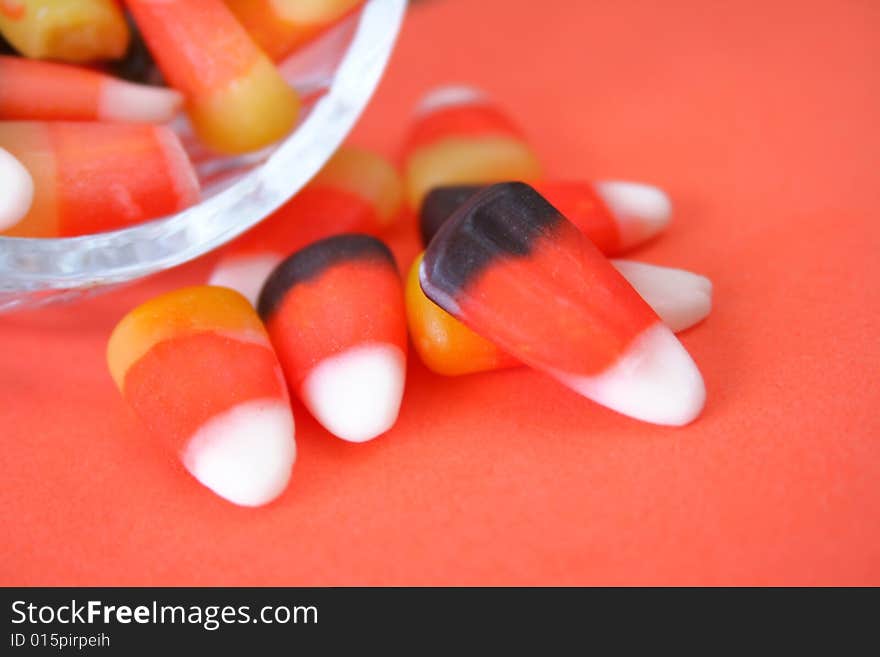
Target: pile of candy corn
[
  {"x": 312, "y": 303},
  {"x": 83, "y": 151}
]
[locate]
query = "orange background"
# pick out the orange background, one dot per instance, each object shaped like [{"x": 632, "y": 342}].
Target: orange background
[{"x": 760, "y": 119}]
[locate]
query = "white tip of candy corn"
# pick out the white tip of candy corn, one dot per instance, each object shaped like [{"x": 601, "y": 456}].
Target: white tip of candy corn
[
  {"x": 246, "y": 454},
  {"x": 655, "y": 381},
  {"x": 681, "y": 298},
  {"x": 356, "y": 394},
  {"x": 16, "y": 190},
  {"x": 448, "y": 96},
  {"x": 138, "y": 103},
  {"x": 642, "y": 211},
  {"x": 245, "y": 274}
]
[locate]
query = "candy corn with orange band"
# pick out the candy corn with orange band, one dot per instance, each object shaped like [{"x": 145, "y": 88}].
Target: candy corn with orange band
[
  {"x": 197, "y": 368},
  {"x": 35, "y": 90},
  {"x": 356, "y": 191},
  {"x": 514, "y": 270},
  {"x": 446, "y": 346},
  {"x": 460, "y": 136},
  {"x": 65, "y": 30},
  {"x": 235, "y": 97},
  {"x": 93, "y": 177},
  {"x": 335, "y": 313},
  {"x": 280, "y": 26},
  {"x": 615, "y": 216}
]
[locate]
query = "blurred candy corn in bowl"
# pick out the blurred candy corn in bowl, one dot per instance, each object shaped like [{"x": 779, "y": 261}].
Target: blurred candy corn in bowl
[{"x": 137, "y": 136}]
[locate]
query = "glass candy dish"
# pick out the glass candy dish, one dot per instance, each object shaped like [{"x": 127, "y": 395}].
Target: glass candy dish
[{"x": 335, "y": 75}]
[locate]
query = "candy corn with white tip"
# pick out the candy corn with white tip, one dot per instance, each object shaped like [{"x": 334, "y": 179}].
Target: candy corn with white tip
[
  {"x": 235, "y": 97},
  {"x": 514, "y": 270},
  {"x": 356, "y": 191},
  {"x": 459, "y": 136},
  {"x": 31, "y": 89},
  {"x": 65, "y": 30},
  {"x": 335, "y": 313},
  {"x": 94, "y": 177},
  {"x": 446, "y": 346},
  {"x": 615, "y": 216},
  {"x": 280, "y": 26},
  {"x": 197, "y": 367},
  {"x": 16, "y": 191}
]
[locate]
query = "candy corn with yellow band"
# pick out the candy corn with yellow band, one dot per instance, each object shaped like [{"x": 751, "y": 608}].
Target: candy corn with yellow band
[
  {"x": 94, "y": 177},
  {"x": 235, "y": 97},
  {"x": 197, "y": 367},
  {"x": 459, "y": 136}
]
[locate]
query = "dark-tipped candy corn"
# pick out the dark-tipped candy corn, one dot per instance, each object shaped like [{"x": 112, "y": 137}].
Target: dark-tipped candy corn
[
  {"x": 460, "y": 137},
  {"x": 235, "y": 97},
  {"x": 335, "y": 313},
  {"x": 280, "y": 26},
  {"x": 94, "y": 177},
  {"x": 615, "y": 216},
  {"x": 66, "y": 30},
  {"x": 197, "y": 367},
  {"x": 356, "y": 191},
  {"x": 16, "y": 190},
  {"x": 31, "y": 89},
  {"x": 446, "y": 346},
  {"x": 514, "y": 270}
]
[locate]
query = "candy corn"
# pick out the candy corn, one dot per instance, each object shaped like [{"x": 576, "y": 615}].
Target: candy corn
[
  {"x": 66, "y": 30},
  {"x": 679, "y": 297},
  {"x": 615, "y": 216},
  {"x": 446, "y": 346},
  {"x": 356, "y": 191},
  {"x": 461, "y": 137},
  {"x": 335, "y": 313},
  {"x": 31, "y": 89},
  {"x": 514, "y": 270},
  {"x": 235, "y": 97},
  {"x": 280, "y": 26},
  {"x": 197, "y": 367},
  {"x": 16, "y": 190},
  {"x": 94, "y": 177}
]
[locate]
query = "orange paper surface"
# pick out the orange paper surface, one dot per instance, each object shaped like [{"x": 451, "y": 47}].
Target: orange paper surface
[{"x": 760, "y": 120}]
